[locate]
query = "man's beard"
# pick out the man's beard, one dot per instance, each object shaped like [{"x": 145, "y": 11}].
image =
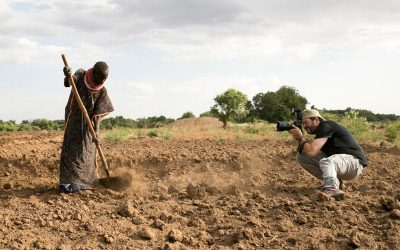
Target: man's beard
[{"x": 311, "y": 130}]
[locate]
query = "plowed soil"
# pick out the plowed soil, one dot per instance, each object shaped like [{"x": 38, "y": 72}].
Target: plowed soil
[{"x": 194, "y": 193}]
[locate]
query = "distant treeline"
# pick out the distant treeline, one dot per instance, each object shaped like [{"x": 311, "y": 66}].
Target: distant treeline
[
  {"x": 34, "y": 125},
  {"x": 371, "y": 117},
  {"x": 121, "y": 122},
  {"x": 157, "y": 121},
  {"x": 230, "y": 106},
  {"x": 108, "y": 123}
]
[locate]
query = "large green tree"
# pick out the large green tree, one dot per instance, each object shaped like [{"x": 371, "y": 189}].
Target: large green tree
[
  {"x": 230, "y": 105},
  {"x": 279, "y": 105}
]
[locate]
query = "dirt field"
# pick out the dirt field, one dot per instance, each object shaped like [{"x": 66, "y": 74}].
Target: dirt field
[{"x": 194, "y": 193}]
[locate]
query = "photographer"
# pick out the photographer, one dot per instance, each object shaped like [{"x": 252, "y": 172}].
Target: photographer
[{"x": 332, "y": 156}]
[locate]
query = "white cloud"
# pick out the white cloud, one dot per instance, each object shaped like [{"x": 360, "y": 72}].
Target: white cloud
[
  {"x": 199, "y": 29},
  {"x": 177, "y": 55}
]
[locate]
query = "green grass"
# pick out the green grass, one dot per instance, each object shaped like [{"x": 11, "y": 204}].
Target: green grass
[
  {"x": 246, "y": 137},
  {"x": 118, "y": 134},
  {"x": 160, "y": 133},
  {"x": 362, "y": 130}
]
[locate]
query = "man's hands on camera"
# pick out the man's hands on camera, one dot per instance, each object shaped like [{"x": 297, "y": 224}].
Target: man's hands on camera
[
  {"x": 296, "y": 133},
  {"x": 67, "y": 71}
]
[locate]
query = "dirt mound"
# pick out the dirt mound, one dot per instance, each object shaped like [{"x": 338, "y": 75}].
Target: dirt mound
[
  {"x": 194, "y": 194},
  {"x": 197, "y": 122}
]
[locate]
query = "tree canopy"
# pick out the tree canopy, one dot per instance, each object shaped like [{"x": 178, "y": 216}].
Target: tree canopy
[
  {"x": 230, "y": 105},
  {"x": 187, "y": 115},
  {"x": 279, "y": 105}
]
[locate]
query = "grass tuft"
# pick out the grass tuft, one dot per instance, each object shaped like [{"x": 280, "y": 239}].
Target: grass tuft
[
  {"x": 118, "y": 134},
  {"x": 160, "y": 133}
]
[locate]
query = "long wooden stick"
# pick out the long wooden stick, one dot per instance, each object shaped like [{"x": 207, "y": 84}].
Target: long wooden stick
[{"x": 86, "y": 115}]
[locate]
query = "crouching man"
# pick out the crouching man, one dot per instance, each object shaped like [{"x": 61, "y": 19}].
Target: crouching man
[{"x": 332, "y": 156}]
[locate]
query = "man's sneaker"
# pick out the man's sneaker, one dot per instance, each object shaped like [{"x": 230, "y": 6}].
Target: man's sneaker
[
  {"x": 341, "y": 185},
  {"x": 335, "y": 193}
]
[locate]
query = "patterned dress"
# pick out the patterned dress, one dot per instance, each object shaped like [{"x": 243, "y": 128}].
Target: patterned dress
[{"x": 78, "y": 154}]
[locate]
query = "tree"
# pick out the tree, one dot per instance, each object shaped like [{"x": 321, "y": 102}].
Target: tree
[
  {"x": 230, "y": 105},
  {"x": 117, "y": 122},
  {"x": 291, "y": 98},
  {"x": 187, "y": 115},
  {"x": 208, "y": 114},
  {"x": 279, "y": 105}
]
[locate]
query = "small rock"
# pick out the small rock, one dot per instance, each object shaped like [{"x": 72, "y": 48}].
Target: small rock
[
  {"x": 64, "y": 247},
  {"x": 206, "y": 167},
  {"x": 301, "y": 220},
  {"x": 87, "y": 193},
  {"x": 285, "y": 225},
  {"x": 257, "y": 195},
  {"x": 268, "y": 233},
  {"x": 259, "y": 234},
  {"x": 174, "y": 235},
  {"x": 127, "y": 210},
  {"x": 239, "y": 246},
  {"x": 39, "y": 244},
  {"x": 164, "y": 197},
  {"x": 233, "y": 190},
  {"x": 199, "y": 223},
  {"x": 195, "y": 192},
  {"x": 322, "y": 197},
  {"x": 205, "y": 237},
  {"x": 8, "y": 185},
  {"x": 242, "y": 234},
  {"x": 159, "y": 224},
  {"x": 77, "y": 216},
  {"x": 253, "y": 222},
  {"x": 388, "y": 204},
  {"x": 237, "y": 166},
  {"x": 137, "y": 220},
  {"x": 212, "y": 190},
  {"x": 197, "y": 160},
  {"x": 292, "y": 241},
  {"x": 174, "y": 246},
  {"x": 146, "y": 233},
  {"x": 166, "y": 217},
  {"x": 356, "y": 238},
  {"x": 109, "y": 239},
  {"x": 172, "y": 189},
  {"x": 395, "y": 214}
]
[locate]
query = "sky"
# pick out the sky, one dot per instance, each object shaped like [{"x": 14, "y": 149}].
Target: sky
[{"x": 168, "y": 57}]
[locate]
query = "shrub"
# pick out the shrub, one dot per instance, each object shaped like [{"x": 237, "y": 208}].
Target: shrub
[
  {"x": 187, "y": 115},
  {"x": 357, "y": 125},
  {"x": 118, "y": 134},
  {"x": 28, "y": 127},
  {"x": 9, "y": 126},
  {"x": 392, "y": 131},
  {"x": 160, "y": 133},
  {"x": 257, "y": 129}
]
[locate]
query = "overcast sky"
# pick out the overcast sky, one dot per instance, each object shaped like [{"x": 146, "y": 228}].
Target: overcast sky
[{"x": 167, "y": 57}]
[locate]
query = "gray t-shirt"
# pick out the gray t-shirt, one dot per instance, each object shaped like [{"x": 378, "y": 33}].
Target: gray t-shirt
[{"x": 340, "y": 141}]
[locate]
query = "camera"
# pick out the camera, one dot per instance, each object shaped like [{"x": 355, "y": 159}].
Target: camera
[{"x": 285, "y": 126}]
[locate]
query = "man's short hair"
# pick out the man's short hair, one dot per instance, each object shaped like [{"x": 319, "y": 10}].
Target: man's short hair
[
  {"x": 308, "y": 113},
  {"x": 100, "y": 67},
  {"x": 100, "y": 70}
]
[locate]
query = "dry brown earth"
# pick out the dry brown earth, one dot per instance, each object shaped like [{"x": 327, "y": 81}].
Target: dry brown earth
[{"x": 194, "y": 193}]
